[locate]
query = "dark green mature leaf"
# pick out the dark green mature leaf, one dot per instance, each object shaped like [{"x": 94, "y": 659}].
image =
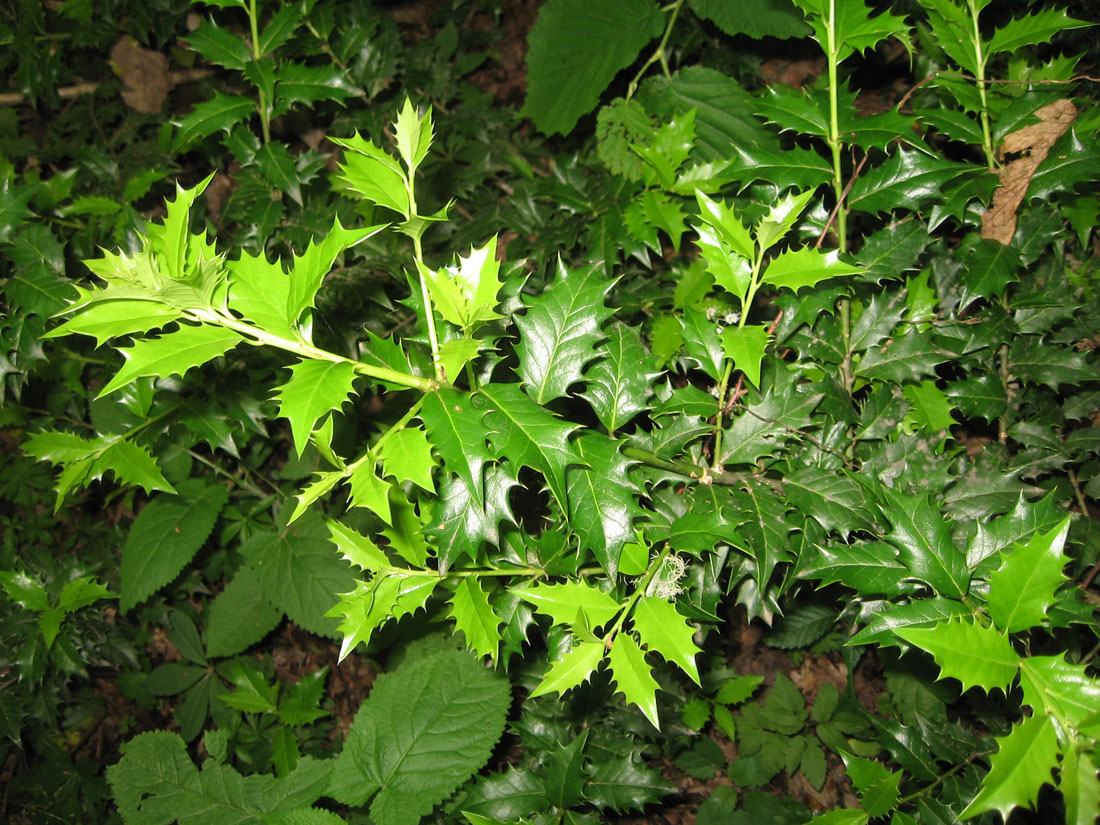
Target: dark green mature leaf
[
  {"x": 1031, "y": 30},
  {"x": 297, "y": 83},
  {"x": 602, "y": 500},
  {"x": 575, "y": 49},
  {"x": 165, "y": 536},
  {"x": 173, "y": 353},
  {"x": 893, "y": 251},
  {"x": 1070, "y": 162},
  {"x": 990, "y": 268},
  {"x": 1036, "y": 362},
  {"x": 798, "y": 167},
  {"x": 425, "y": 728},
  {"x": 795, "y": 110},
  {"x": 219, "y": 46},
  {"x": 560, "y": 330},
  {"x": 280, "y": 169},
  {"x": 835, "y": 500},
  {"x": 876, "y": 785},
  {"x": 460, "y": 523},
  {"x": 279, "y": 29},
  {"x": 618, "y": 385},
  {"x": 912, "y": 356},
  {"x": 13, "y": 206},
  {"x": 220, "y": 114},
  {"x": 907, "y": 180},
  {"x": 1020, "y": 525},
  {"x": 883, "y": 625},
  {"x": 528, "y": 435},
  {"x": 621, "y": 785},
  {"x": 300, "y": 571},
  {"x": 755, "y": 18},
  {"x": 869, "y": 569},
  {"x": 506, "y": 796},
  {"x": 37, "y": 284},
  {"x": 239, "y": 616},
  {"x": 456, "y": 429},
  {"x": 702, "y": 343},
  {"x": 923, "y": 538},
  {"x": 764, "y": 535},
  {"x": 760, "y": 428},
  {"x": 802, "y": 626}
]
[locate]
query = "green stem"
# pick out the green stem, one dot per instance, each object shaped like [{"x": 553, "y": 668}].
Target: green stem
[
  {"x": 639, "y": 591},
  {"x": 706, "y": 475},
  {"x": 429, "y": 312},
  {"x": 659, "y": 54},
  {"x": 723, "y": 385},
  {"x": 254, "y": 28},
  {"x": 979, "y": 61},
  {"x": 305, "y": 350},
  {"x": 832, "y": 53}
]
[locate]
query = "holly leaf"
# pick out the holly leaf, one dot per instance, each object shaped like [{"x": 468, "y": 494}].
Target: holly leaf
[
  {"x": 1022, "y": 589},
  {"x": 621, "y": 785},
  {"x": 566, "y": 601},
  {"x": 907, "y": 180},
  {"x": 457, "y": 431},
  {"x": 575, "y": 49},
  {"x": 528, "y": 435},
  {"x": 220, "y": 114},
  {"x": 877, "y": 787},
  {"x": 370, "y": 604},
  {"x": 661, "y": 628},
  {"x": 474, "y": 616},
  {"x": 1079, "y": 786},
  {"x": 974, "y": 654},
  {"x": 407, "y": 456},
  {"x": 802, "y": 168},
  {"x": 911, "y": 356},
  {"x": 762, "y": 427},
  {"x": 314, "y": 388},
  {"x": 571, "y": 669},
  {"x": 1024, "y": 762},
  {"x": 1031, "y": 30},
  {"x": 370, "y": 491},
  {"x": 356, "y": 548},
  {"x": 560, "y": 330},
  {"x": 618, "y": 385},
  {"x": 1053, "y": 685},
  {"x": 173, "y": 353},
  {"x": 882, "y": 626},
  {"x": 1018, "y": 526},
  {"x": 460, "y": 524},
  {"x": 746, "y": 347},
  {"x": 923, "y": 538},
  {"x": 298, "y": 83},
  {"x": 633, "y": 677},
  {"x": 806, "y": 266},
  {"x": 602, "y": 500}
]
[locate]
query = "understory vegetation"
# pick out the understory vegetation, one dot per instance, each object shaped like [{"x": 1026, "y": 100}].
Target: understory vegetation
[{"x": 491, "y": 412}]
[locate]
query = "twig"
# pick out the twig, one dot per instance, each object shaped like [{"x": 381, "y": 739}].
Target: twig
[{"x": 78, "y": 89}]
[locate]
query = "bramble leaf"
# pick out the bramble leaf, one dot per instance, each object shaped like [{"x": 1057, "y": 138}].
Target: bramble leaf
[{"x": 239, "y": 616}]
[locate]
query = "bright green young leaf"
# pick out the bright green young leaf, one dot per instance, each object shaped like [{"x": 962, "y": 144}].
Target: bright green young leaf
[
  {"x": 746, "y": 347},
  {"x": 882, "y": 626},
  {"x": 81, "y": 592},
  {"x": 466, "y": 294},
  {"x": 571, "y": 670},
  {"x": 357, "y": 548},
  {"x": 730, "y": 270},
  {"x": 1022, "y": 765},
  {"x": 1031, "y": 30},
  {"x": 321, "y": 485},
  {"x": 563, "y": 602},
  {"x": 406, "y": 534},
  {"x": 115, "y": 318},
  {"x": 258, "y": 290},
  {"x": 370, "y": 491},
  {"x": 633, "y": 677},
  {"x": 314, "y": 388},
  {"x": 173, "y": 353},
  {"x": 726, "y": 225},
  {"x": 781, "y": 217},
  {"x": 972, "y": 653},
  {"x": 165, "y": 536},
  {"x": 575, "y": 49},
  {"x": 370, "y": 604},
  {"x": 1022, "y": 589},
  {"x": 407, "y": 456},
  {"x": 374, "y": 174},
  {"x": 877, "y": 787},
  {"x": 560, "y": 330},
  {"x": 475, "y": 618},
  {"x": 414, "y": 135},
  {"x": 527, "y": 434},
  {"x": 1055, "y": 686},
  {"x": 794, "y": 269},
  {"x": 1080, "y": 786},
  {"x": 661, "y": 628}
]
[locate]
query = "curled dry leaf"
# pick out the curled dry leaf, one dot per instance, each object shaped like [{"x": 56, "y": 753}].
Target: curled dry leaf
[
  {"x": 1032, "y": 143},
  {"x": 145, "y": 73}
]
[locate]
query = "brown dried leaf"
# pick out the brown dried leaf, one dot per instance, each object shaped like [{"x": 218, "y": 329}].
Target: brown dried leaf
[
  {"x": 1032, "y": 143},
  {"x": 145, "y": 74}
]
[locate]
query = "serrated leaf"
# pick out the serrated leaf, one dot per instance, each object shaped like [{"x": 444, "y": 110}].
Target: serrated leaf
[
  {"x": 300, "y": 571},
  {"x": 1080, "y": 786},
  {"x": 761, "y": 428},
  {"x": 929, "y": 406},
  {"x": 912, "y": 356},
  {"x": 114, "y": 318},
  {"x": 239, "y": 616},
  {"x": 1031, "y": 30},
  {"x": 173, "y": 353},
  {"x": 560, "y": 330},
  {"x": 633, "y": 677},
  {"x": 527, "y": 434},
  {"x": 165, "y": 536},
  {"x": 218, "y": 45},
  {"x": 413, "y": 133},
  {"x": 314, "y": 388},
  {"x": 474, "y": 616},
  {"x": 81, "y": 592},
  {"x": 1022, "y": 589},
  {"x": 661, "y": 628},
  {"x": 37, "y": 283},
  {"x": 907, "y": 180},
  {"x": 877, "y": 787},
  {"x": 280, "y": 169},
  {"x": 321, "y": 485},
  {"x": 1036, "y": 362},
  {"x": 220, "y": 114},
  {"x": 563, "y": 602},
  {"x": 374, "y": 174},
  {"x": 923, "y": 538},
  {"x": 745, "y": 347},
  {"x": 622, "y": 785},
  {"x": 602, "y": 500},
  {"x": 387, "y": 596},
  {"x": 571, "y": 669},
  {"x": 357, "y": 548},
  {"x": 298, "y": 83},
  {"x": 618, "y": 385},
  {"x": 457, "y": 431},
  {"x": 805, "y": 267},
  {"x": 279, "y": 29},
  {"x": 701, "y": 342},
  {"x": 882, "y": 626},
  {"x": 506, "y": 796},
  {"x": 370, "y": 491},
  {"x": 1023, "y": 763},
  {"x": 974, "y": 654},
  {"x": 801, "y": 627},
  {"x": 575, "y": 49},
  {"x": 407, "y": 456},
  {"x": 1054, "y": 686},
  {"x": 834, "y": 500}
]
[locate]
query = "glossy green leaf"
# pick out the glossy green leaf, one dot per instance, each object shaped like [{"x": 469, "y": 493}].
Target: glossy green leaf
[
  {"x": 357, "y": 548},
  {"x": 370, "y": 491},
  {"x": 374, "y": 174},
  {"x": 314, "y": 388},
  {"x": 876, "y": 786},
  {"x": 571, "y": 670},
  {"x": 114, "y": 318},
  {"x": 474, "y": 616},
  {"x": 882, "y": 626},
  {"x": 575, "y": 49},
  {"x": 527, "y": 434},
  {"x": 1022, "y": 589},
  {"x": 974, "y": 654},
  {"x": 456, "y": 429},
  {"x": 620, "y": 784},
  {"x": 82, "y": 592},
  {"x": 220, "y": 114},
  {"x": 1055, "y": 686},
  {"x": 661, "y": 628},
  {"x": 1022, "y": 765},
  {"x": 414, "y": 134},
  {"x": 407, "y": 456},
  {"x": 563, "y": 602},
  {"x": 929, "y": 406},
  {"x": 602, "y": 500},
  {"x": 560, "y": 330},
  {"x": 299, "y": 83},
  {"x": 173, "y": 353},
  {"x": 1031, "y": 30},
  {"x": 633, "y": 677},
  {"x": 618, "y": 385},
  {"x": 745, "y": 347},
  {"x": 165, "y": 536},
  {"x": 371, "y": 604},
  {"x": 805, "y": 267},
  {"x": 218, "y": 45},
  {"x": 908, "y": 179},
  {"x": 912, "y": 356},
  {"x": 796, "y": 166},
  {"x": 762, "y": 427},
  {"x": 27, "y": 592},
  {"x": 923, "y": 538}
]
